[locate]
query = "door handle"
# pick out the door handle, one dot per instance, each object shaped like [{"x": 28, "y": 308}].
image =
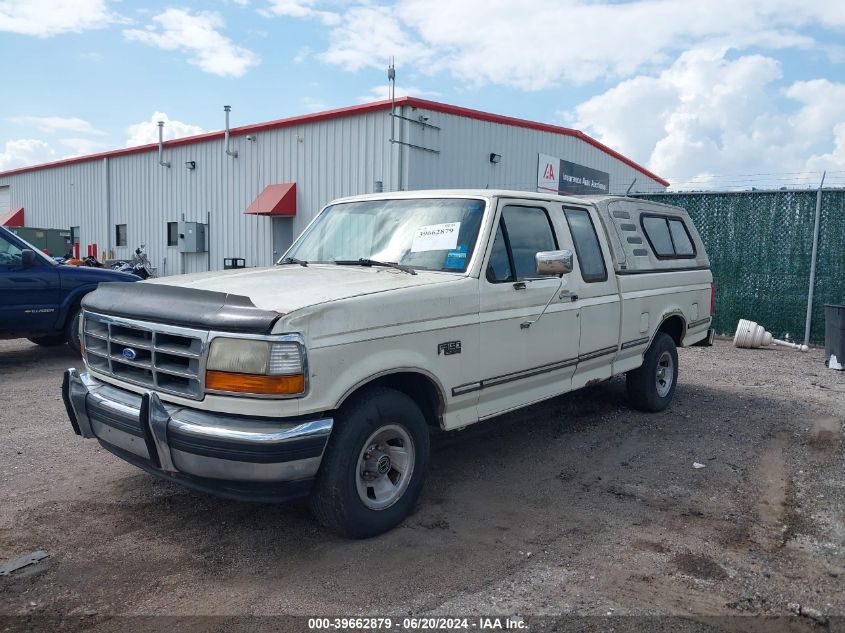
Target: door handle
[{"x": 566, "y": 294}]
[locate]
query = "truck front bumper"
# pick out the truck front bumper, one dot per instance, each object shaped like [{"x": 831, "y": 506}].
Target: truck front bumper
[{"x": 260, "y": 459}]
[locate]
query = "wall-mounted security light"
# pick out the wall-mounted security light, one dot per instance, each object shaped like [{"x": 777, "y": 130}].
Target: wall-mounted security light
[
  {"x": 495, "y": 158},
  {"x": 251, "y": 137},
  {"x": 191, "y": 164}
]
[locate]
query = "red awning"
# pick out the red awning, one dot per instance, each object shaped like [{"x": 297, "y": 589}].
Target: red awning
[
  {"x": 12, "y": 218},
  {"x": 275, "y": 200}
]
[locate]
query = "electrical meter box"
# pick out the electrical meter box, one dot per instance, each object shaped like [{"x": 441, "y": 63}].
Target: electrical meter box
[{"x": 191, "y": 237}]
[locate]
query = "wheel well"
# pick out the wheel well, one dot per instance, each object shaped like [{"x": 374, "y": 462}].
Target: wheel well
[
  {"x": 418, "y": 387},
  {"x": 674, "y": 327},
  {"x": 73, "y": 304}
]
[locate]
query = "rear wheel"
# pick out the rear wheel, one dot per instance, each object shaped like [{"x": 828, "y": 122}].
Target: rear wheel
[
  {"x": 652, "y": 385},
  {"x": 72, "y": 330},
  {"x": 374, "y": 465}
]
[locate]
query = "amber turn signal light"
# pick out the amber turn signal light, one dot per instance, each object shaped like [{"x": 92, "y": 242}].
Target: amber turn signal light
[{"x": 255, "y": 383}]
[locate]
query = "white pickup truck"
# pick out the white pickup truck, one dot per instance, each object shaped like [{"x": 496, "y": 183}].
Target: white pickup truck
[{"x": 390, "y": 315}]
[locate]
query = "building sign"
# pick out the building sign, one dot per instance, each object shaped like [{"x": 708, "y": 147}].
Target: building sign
[{"x": 561, "y": 176}]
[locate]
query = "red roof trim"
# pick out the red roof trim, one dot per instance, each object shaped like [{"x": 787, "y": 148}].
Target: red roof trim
[
  {"x": 348, "y": 111},
  {"x": 13, "y": 218}
]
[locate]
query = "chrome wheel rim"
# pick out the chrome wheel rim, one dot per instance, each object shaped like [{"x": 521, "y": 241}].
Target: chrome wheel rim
[
  {"x": 385, "y": 466},
  {"x": 665, "y": 374}
]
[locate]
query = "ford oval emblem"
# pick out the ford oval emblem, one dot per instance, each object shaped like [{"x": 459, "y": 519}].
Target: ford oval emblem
[{"x": 129, "y": 353}]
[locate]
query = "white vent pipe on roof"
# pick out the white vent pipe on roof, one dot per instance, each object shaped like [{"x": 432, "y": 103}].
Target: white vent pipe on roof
[
  {"x": 229, "y": 151},
  {"x": 161, "y": 160}
]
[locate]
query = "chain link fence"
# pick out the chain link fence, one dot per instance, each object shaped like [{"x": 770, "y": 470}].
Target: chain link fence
[{"x": 760, "y": 245}]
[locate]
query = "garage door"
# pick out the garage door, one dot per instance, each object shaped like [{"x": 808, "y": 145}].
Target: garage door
[{"x": 5, "y": 200}]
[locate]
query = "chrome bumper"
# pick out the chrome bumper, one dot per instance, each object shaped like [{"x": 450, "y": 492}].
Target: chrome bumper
[{"x": 199, "y": 448}]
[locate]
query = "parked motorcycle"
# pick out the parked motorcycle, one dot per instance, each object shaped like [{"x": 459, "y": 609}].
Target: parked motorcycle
[
  {"x": 91, "y": 261},
  {"x": 139, "y": 265}
]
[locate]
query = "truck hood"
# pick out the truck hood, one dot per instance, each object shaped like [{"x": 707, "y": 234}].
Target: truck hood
[
  {"x": 287, "y": 288},
  {"x": 86, "y": 274}
]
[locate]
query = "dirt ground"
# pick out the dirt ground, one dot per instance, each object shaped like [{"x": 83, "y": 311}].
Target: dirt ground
[{"x": 576, "y": 506}]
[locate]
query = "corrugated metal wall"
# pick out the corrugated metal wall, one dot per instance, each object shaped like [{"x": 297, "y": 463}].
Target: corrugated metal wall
[
  {"x": 326, "y": 159},
  {"x": 466, "y": 144},
  {"x": 72, "y": 195}
]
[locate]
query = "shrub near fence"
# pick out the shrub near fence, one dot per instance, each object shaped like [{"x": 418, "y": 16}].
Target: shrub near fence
[{"x": 760, "y": 244}]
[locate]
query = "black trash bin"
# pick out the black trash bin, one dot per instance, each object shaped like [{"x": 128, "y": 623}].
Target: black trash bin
[
  {"x": 233, "y": 262},
  {"x": 834, "y": 336}
]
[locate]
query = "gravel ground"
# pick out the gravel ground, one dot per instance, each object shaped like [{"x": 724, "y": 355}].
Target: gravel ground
[{"x": 576, "y": 506}]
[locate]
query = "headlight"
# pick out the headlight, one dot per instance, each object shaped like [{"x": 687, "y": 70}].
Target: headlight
[{"x": 257, "y": 367}]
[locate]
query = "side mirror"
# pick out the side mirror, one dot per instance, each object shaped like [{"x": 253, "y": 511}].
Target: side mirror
[
  {"x": 553, "y": 262},
  {"x": 27, "y": 257}
]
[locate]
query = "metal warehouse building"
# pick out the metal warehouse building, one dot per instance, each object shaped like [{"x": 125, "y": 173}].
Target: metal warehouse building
[{"x": 196, "y": 201}]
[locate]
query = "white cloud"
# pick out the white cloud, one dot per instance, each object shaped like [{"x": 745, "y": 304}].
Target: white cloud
[
  {"x": 25, "y": 151},
  {"x": 833, "y": 160},
  {"x": 536, "y": 46},
  {"x": 57, "y": 124},
  {"x": 382, "y": 93},
  {"x": 313, "y": 104},
  {"x": 302, "y": 54},
  {"x": 197, "y": 35},
  {"x": 710, "y": 114},
  {"x": 368, "y": 35},
  {"x": 83, "y": 146},
  {"x": 301, "y": 9},
  {"x": 45, "y": 18},
  {"x": 146, "y": 132}
]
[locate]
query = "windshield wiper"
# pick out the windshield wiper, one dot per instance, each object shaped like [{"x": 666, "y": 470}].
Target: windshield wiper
[
  {"x": 372, "y": 262},
  {"x": 294, "y": 260}
]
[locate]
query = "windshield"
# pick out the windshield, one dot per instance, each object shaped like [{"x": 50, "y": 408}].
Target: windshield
[{"x": 425, "y": 233}]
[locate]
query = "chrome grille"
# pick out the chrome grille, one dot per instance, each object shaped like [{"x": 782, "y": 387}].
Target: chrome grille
[{"x": 162, "y": 357}]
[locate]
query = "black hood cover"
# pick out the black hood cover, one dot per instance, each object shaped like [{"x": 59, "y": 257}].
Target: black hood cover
[{"x": 188, "y": 307}]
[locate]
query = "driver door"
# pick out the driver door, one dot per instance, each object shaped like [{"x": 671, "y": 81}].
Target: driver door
[
  {"x": 524, "y": 359},
  {"x": 29, "y": 295}
]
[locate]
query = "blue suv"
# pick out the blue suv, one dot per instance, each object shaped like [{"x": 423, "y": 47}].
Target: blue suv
[{"x": 39, "y": 299}]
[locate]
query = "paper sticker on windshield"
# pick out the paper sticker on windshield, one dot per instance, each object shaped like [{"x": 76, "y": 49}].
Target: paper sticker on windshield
[{"x": 436, "y": 237}]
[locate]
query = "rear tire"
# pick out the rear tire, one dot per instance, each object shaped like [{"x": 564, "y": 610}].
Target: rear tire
[
  {"x": 374, "y": 464},
  {"x": 48, "y": 341},
  {"x": 652, "y": 385},
  {"x": 72, "y": 330}
]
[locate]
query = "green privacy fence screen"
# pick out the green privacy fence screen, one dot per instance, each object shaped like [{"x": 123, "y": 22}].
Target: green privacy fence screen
[{"x": 760, "y": 244}]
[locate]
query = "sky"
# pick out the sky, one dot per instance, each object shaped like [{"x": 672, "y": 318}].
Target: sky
[{"x": 709, "y": 94}]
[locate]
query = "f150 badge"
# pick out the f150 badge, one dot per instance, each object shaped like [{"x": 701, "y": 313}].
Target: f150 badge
[{"x": 448, "y": 348}]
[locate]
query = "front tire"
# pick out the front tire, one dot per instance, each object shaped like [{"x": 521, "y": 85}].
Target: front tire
[
  {"x": 652, "y": 385},
  {"x": 72, "y": 330},
  {"x": 374, "y": 464}
]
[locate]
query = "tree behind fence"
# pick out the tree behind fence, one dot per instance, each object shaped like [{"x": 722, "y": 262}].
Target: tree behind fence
[{"x": 760, "y": 244}]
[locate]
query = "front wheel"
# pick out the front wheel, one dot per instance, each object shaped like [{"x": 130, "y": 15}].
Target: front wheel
[
  {"x": 72, "y": 330},
  {"x": 652, "y": 385},
  {"x": 373, "y": 466}
]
